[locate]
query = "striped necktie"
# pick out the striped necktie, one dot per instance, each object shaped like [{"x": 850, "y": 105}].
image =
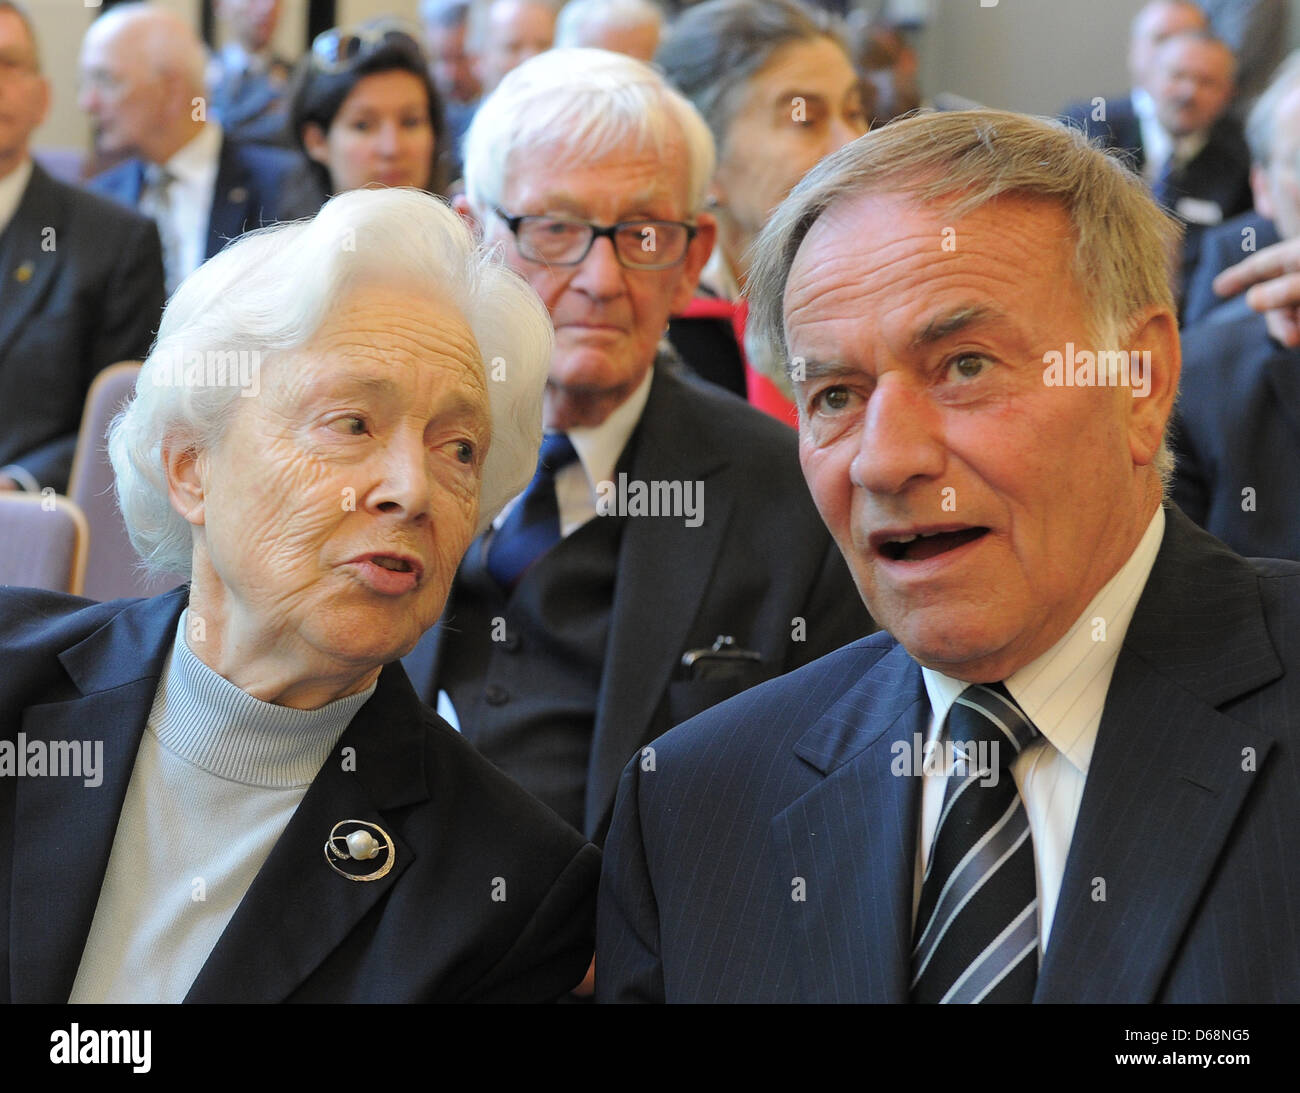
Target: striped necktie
[
  {"x": 977, "y": 923},
  {"x": 533, "y": 526},
  {"x": 156, "y": 201}
]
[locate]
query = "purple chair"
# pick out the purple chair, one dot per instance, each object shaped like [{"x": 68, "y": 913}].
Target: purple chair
[
  {"x": 43, "y": 541},
  {"x": 112, "y": 570}
]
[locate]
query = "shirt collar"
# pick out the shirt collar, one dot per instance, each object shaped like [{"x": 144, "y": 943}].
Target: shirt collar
[
  {"x": 12, "y": 188},
  {"x": 599, "y": 446},
  {"x": 1049, "y": 688},
  {"x": 197, "y": 159}
]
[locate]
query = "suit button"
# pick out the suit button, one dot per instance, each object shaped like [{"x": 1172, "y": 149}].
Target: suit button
[{"x": 496, "y": 696}]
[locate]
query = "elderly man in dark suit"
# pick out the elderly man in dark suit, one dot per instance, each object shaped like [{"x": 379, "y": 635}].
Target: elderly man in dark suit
[
  {"x": 248, "y": 79},
  {"x": 1178, "y": 136},
  {"x": 142, "y": 83},
  {"x": 1068, "y": 771},
  {"x": 81, "y": 283},
  {"x": 667, "y": 554}
]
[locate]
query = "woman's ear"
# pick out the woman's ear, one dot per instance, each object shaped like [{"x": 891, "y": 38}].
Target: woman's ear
[
  {"x": 186, "y": 470},
  {"x": 313, "y": 140}
]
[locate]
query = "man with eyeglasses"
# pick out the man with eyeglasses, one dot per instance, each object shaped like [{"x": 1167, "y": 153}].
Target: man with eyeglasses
[
  {"x": 143, "y": 72},
  {"x": 667, "y": 554},
  {"x": 81, "y": 282}
]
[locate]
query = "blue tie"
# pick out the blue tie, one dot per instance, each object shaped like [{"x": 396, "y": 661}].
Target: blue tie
[
  {"x": 977, "y": 923},
  {"x": 533, "y": 526}
]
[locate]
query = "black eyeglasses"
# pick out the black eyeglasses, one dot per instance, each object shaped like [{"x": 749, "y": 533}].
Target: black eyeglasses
[
  {"x": 337, "y": 50},
  {"x": 565, "y": 241}
]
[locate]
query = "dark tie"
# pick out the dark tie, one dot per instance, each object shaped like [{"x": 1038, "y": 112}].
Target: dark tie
[
  {"x": 1163, "y": 189},
  {"x": 533, "y": 526},
  {"x": 977, "y": 924}
]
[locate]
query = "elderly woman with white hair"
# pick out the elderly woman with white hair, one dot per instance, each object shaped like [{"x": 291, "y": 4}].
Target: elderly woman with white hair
[{"x": 240, "y": 796}]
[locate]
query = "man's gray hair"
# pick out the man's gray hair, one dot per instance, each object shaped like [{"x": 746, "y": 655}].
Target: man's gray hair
[
  {"x": 1261, "y": 123},
  {"x": 1124, "y": 244},
  {"x": 570, "y": 106},
  {"x": 579, "y": 15},
  {"x": 444, "y": 13},
  {"x": 270, "y": 291}
]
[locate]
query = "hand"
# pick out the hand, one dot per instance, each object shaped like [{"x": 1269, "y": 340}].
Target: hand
[
  {"x": 7, "y": 483},
  {"x": 1273, "y": 279}
]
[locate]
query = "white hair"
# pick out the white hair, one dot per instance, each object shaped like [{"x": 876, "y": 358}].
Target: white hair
[
  {"x": 271, "y": 290},
  {"x": 580, "y": 105},
  {"x": 578, "y": 16},
  {"x": 161, "y": 36}
]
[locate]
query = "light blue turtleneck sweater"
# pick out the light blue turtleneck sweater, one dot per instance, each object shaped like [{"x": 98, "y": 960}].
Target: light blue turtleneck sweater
[{"x": 217, "y": 777}]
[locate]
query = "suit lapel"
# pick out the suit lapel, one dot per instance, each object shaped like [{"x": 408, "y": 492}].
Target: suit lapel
[
  {"x": 314, "y": 908},
  {"x": 232, "y": 200},
  {"x": 649, "y": 623},
  {"x": 68, "y": 827},
  {"x": 852, "y": 840},
  {"x": 29, "y": 256},
  {"x": 1168, "y": 776}
]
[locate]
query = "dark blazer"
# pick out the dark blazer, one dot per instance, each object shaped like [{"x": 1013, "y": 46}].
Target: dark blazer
[
  {"x": 81, "y": 287},
  {"x": 1191, "y": 814},
  {"x": 247, "y": 194},
  {"x": 1237, "y": 429},
  {"x": 253, "y": 107},
  {"x": 1219, "y": 174},
  {"x": 761, "y": 559},
  {"x": 1221, "y": 247},
  {"x": 428, "y": 931}
]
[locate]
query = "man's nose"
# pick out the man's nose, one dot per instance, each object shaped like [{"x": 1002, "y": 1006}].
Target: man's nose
[
  {"x": 901, "y": 438},
  {"x": 600, "y": 274}
]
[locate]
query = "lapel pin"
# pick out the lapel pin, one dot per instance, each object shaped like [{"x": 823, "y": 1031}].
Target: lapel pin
[
  {"x": 349, "y": 852},
  {"x": 24, "y": 272}
]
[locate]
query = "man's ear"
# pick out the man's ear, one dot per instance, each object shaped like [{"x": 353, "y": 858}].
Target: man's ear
[
  {"x": 1153, "y": 385},
  {"x": 186, "y": 472},
  {"x": 461, "y": 204},
  {"x": 697, "y": 256},
  {"x": 313, "y": 140}
]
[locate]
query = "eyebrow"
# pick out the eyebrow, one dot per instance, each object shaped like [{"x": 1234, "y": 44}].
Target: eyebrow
[
  {"x": 954, "y": 322},
  {"x": 819, "y": 370}
]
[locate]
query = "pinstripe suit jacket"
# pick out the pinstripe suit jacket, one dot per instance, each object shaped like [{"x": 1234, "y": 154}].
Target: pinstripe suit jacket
[{"x": 765, "y": 852}]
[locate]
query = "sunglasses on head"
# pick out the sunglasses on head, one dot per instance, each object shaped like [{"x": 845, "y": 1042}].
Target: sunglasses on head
[{"x": 338, "y": 49}]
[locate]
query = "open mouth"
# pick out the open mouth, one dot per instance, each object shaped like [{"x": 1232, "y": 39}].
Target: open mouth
[
  {"x": 918, "y": 548},
  {"x": 396, "y": 565}
]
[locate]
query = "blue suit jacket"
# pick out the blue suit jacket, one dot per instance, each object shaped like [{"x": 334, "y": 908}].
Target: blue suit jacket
[
  {"x": 1237, "y": 429},
  {"x": 1190, "y": 814},
  {"x": 248, "y": 191},
  {"x": 81, "y": 287},
  {"x": 428, "y": 931},
  {"x": 1221, "y": 247}
]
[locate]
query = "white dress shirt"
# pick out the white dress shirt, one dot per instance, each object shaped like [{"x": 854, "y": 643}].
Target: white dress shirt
[
  {"x": 12, "y": 188},
  {"x": 1062, "y": 692},
  {"x": 194, "y": 170},
  {"x": 1157, "y": 144}
]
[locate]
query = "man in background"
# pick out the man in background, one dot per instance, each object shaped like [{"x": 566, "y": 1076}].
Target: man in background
[
  {"x": 623, "y": 26},
  {"x": 142, "y": 84},
  {"x": 81, "y": 282},
  {"x": 505, "y": 33},
  {"x": 248, "y": 79}
]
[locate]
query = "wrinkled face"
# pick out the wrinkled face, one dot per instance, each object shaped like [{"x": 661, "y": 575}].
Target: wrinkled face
[
  {"x": 802, "y": 105},
  {"x": 382, "y": 135},
  {"x": 1155, "y": 24},
  {"x": 340, "y": 500},
  {"x": 251, "y": 22},
  {"x": 979, "y": 508},
  {"x": 1192, "y": 84},
  {"x": 449, "y": 64},
  {"x": 608, "y": 319},
  {"x": 515, "y": 31},
  {"x": 125, "y": 97},
  {"x": 1277, "y": 186},
  {"x": 24, "y": 95}
]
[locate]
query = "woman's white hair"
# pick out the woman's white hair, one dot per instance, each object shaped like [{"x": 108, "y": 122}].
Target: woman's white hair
[
  {"x": 580, "y": 105},
  {"x": 268, "y": 293}
]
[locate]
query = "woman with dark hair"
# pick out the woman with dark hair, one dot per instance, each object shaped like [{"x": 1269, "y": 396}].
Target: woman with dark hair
[
  {"x": 365, "y": 113},
  {"x": 774, "y": 81}
]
